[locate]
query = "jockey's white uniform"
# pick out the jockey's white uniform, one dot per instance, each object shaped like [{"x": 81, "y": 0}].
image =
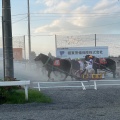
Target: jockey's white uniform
[{"x": 89, "y": 64}]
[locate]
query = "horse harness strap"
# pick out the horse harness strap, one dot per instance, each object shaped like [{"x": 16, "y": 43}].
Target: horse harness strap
[
  {"x": 100, "y": 64},
  {"x": 94, "y": 61},
  {"x": 46, "y": 61}
]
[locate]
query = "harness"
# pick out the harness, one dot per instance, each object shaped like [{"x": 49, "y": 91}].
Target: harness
[
  {"x": 100, "y": 65},
  {"x": 46, "y": 62},
  {"x": 94, "y": 61}
]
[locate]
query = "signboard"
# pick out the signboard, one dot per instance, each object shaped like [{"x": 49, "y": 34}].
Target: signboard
[
  {"x": 81, "y": 52},
  {"x": 17, "y": 53}
]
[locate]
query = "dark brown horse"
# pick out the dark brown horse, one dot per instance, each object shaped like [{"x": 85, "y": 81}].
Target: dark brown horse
[
  {"x": 62, "y": 65},
  {"x": 109, "y": 66}
]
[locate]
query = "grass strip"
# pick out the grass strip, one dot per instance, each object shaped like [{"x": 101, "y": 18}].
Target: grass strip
[{"x": 18, "y": 97}]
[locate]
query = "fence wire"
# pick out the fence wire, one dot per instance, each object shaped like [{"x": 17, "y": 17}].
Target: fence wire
[
  {"x": 110, "y": 40},
  {"x": 18, "y": 42}
]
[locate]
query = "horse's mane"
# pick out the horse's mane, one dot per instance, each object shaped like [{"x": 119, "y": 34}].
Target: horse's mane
[{"x": 42, "y": 57}]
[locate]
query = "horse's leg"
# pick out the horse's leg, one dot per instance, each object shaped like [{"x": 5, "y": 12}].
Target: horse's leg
[
  {"x": 66, "y": 75},
  {"x": 72, "y": 77},
  {"x": 95, "y": 70},
  {"x": 49, "y": 78},
  {"x": 114, "y": 74},
  {"x": 49, "y": 72},
  {"x": 71, "y": 74}
]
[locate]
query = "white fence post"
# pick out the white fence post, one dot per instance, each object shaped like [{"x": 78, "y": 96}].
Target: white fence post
[
  {"x": 26, "y": 92},
  {"x": 83, "y": 86},
  {"x": 95, "y": 85},
  {"x": 39, "y": 86}
]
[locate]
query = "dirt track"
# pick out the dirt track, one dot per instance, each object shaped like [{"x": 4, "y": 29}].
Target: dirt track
[{"x": 69, "y": 104}]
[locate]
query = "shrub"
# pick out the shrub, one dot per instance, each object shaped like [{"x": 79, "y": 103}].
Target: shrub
[{"x": 5, "y": 90}]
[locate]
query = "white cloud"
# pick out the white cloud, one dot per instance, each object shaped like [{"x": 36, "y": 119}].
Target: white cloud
[
  {"x": 49, "y": 3},
  {"x": 57, "y": 27},
  {"x": 104, "y": 4},
  {"x": 90, "y": 19}
]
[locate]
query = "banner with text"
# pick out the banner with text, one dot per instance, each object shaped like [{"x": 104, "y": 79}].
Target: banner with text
[{"x": 81, "y": 52}]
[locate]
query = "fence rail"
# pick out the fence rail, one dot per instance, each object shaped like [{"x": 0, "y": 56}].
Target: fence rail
[{"x": 75, "y": 84}]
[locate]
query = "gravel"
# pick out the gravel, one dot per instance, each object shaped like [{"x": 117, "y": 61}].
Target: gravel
[{"x": 68, "y": 104}]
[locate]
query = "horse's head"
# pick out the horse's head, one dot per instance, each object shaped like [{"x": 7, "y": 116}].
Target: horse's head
[
  {"x": 43, "y": 58},
  {"x": 38, "y": 58}
]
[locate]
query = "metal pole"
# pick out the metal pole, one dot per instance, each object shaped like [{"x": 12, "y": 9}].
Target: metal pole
[
  {"x": 95, "y": 40},
  {"x": 3, "y": 48},
  {"x": 55, "y": 45},
  {"x": 24, "y": 49},
  {"x": 7, "y": 34},
  {"x": 29, "y": 36}
]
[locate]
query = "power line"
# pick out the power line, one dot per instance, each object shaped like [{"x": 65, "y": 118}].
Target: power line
[
  {"x": 68, "y": 13},
  {"x": 74, "y": 16},
  {"x": 76, "y": 13},
  {"x": 19, "y": 20},
  {"x": 106, "y": 15},
  {"x": 19, "y": 14}
]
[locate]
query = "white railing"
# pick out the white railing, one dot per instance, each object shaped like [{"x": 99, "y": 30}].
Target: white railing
[
  {"x": 16, "y": 83},
  {"x": 83, "y": 84}
]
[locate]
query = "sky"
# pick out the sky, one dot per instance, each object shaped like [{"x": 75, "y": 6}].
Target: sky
[{"x": 62, "y": 17}]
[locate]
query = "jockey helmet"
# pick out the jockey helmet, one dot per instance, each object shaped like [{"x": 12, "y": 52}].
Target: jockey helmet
[{"x": 90, "y": 56}]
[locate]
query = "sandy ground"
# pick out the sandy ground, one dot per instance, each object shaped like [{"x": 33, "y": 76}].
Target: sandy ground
[{"x": 68, "y": 104}]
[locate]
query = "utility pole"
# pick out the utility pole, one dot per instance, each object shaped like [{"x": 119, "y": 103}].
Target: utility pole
[
  {"x": 29, "y": 36},
  {"x": 7, "y": 39}
]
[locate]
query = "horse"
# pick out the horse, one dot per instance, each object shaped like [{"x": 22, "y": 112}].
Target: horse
[
  {"x": 108, "y": 65},
  {"x": 56, "y": 64}
]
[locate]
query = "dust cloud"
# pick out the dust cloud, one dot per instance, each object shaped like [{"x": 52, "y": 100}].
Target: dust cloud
[
  {"x": 26, "y": 71},
  {"x": 29, "y": 71},
  {"x": 34, "y": 72}
]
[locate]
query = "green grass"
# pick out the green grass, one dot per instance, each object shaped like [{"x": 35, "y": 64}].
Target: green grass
[{"x": 18, "y": 97}]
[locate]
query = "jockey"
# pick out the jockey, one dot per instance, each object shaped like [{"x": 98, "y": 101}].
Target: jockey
[
  {"x": 91, "y": 60},
  {"x": 89, "y": 64}
]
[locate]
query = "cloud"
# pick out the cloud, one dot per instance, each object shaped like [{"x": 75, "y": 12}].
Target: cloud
[
  {"x": 104, "y": 4},
  {"x": 78, "y": 18}
]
